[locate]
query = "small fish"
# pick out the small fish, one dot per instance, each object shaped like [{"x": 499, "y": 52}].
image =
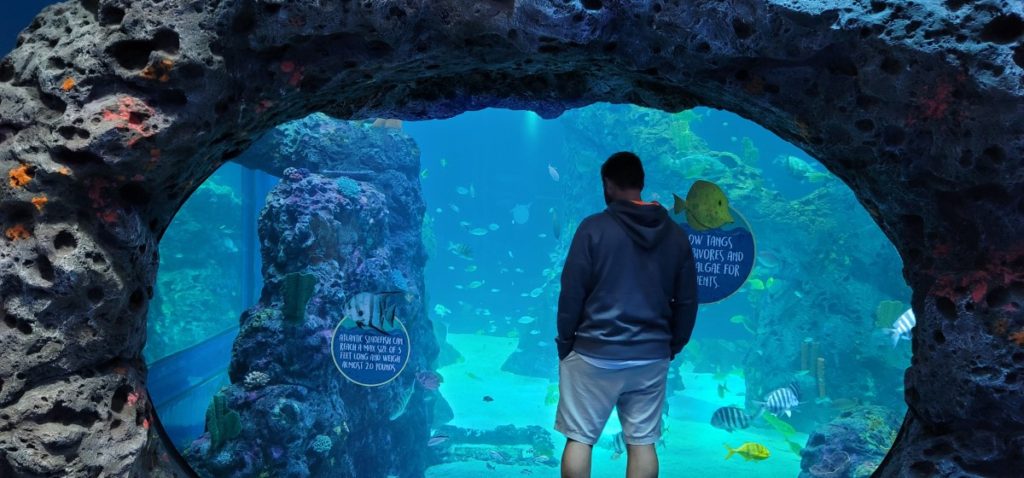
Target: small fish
[
  {"x": 479, "y": 231},
  {"x": 782, "y": 400},
  {"x": 526, "y": 319},
  {"x": 526, "y": 471},
  {"x": 534, "y": 332},
  {"x": 444, "y": 163},
  {"x": 488, "y": 398},
  {"x": 542, "y": 235},
  {"x": 473, "y": 376},
  {"x": 471, "y": 268},
  {"x": 496, "y": 456},
  {"x": 462, "y": 191},
  {"x": 441, "y": 310},
  {"x": 472, "y": 191},
  {"x": 490, "y": 466},
  {"x": 536, "y": 292},
  {"x": 453, "y": 207},
  {"x": 553, "y": 173},
  {"x": 618, "y": 445},
  {"x": 520, "y": 213},
  {"x": 475, "y": 284},
  {"x": 730, "y": 418},
  {"x": 464, "y": 224},
  {"x": 495, "y": 291},
  {"x": 461, "y": 250},
  {"x": 230, "y": 245},
  {"x": 493, "y": 227},
  {"x": 510, "y": 256},
  {"x": 424, "y": 174},
  {"x": 749, "y": 451},
  {"x": 721, "y": 390},
  {"x": 903, "y": 326},
  {"x": 437, "y": 440}
]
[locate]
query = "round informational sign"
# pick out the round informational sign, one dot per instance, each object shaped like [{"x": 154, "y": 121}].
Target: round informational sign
[
  {"x": 724, "y": 257},
  {"x": 370, "y": 356}
]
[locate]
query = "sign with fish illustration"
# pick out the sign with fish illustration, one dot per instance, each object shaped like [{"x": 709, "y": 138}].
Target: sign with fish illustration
[
  {"x": 370, "y": 345},
  {"x": 721, "y": 239}
]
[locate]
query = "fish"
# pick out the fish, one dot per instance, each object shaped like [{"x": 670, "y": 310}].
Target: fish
[
  {"x": 453, "y": 207},
  {"x": 510, "y": 256},
  {"x": 230, "y": 245},
  {"x": 534, "y": 332},
  {"x": 472, "y": 191},
  {"x": 553, "y": 173},
  {"x": 475, "y": 284},
  {"x": 749, "y": 451},
  {"x": 782, "y": 427},
  {"x": 721, "y": 390},
  {"x": 424, "y": 174},
  {"x": 526, "y": 319},
  {"x": 429, "y": 379},
  {"x": 705, "y": 205},
  {"x": 441, "y": 310},
  {"x": 556, "y": 226},
  {"x": 464, "y": 224},
  {"x": 488, "y": 398},
  {"x": 478, "y": 231},
  {"x": 782, "y": 400},
  {"x": 800, "y": 169},
  {"x": 495, "y": 291},
  {"x": 471, "y": 268},
  {"x": 444, "y": 163},
  {"x": 526, "y": 471},
  {"x": 521, "y": 213},
  {"x": 493, "y": 227},
  {"x": 618, "y": 445},
  {"x": 461, "y": 250},
  {"x": 730, "y": 418},
  {"x": 903, "y": 326},
  {"x": 496, "y": 456},
  {"x": 437, "y": 440},
  {"x": 462, "y": 191},
  {"x": 373, "y": 309},
  {"x": 490, "y": 466},
  {"x": 536, "y": 292}
]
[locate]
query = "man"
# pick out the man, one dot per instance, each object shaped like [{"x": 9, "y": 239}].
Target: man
[{"x": 627, "y": 307}]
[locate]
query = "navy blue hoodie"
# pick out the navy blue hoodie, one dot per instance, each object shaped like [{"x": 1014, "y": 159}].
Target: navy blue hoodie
[{"x": 629, "y": 286}]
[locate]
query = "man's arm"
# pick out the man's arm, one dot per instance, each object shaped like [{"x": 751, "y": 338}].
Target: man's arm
[
  {"x": 575, "y": 288},
  {"x": 684, "y": 303}
]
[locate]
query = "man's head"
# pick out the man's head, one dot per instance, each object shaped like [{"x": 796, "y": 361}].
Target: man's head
[{"x": 623, "y": 177}]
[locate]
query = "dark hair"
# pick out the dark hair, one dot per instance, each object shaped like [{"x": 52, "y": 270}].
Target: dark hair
[{"x": 624, "y": 170}]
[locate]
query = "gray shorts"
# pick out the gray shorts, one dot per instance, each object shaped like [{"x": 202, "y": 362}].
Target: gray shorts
[{"x": 587, "y": 394}]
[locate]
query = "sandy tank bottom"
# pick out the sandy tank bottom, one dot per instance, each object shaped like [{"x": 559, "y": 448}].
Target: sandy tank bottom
[{"x": 692, "y": 446}]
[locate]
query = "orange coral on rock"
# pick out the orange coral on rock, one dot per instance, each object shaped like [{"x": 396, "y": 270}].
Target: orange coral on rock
[
  {"x": 19, "y": 176},
  {"x": 39, "y": 202},
  {"x": 68, "y": 83},
  {"x": 17, "y": 232},
  {"x": 158, "y": 71},
  {"x": 1018, "y": 337},
  {"x": 64, "y": 170}
]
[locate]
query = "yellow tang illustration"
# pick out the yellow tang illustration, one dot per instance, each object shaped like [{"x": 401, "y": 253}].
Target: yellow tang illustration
[{"x": 706, "y": 206}]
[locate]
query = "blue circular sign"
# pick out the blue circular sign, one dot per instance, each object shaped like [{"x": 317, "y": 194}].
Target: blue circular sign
[
  {"x": 370, "y": 356},
  {"x": 724, "y": 257}
]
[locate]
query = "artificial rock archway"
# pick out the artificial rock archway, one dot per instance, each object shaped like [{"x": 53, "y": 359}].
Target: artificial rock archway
[{"x": 112, "y": 112}]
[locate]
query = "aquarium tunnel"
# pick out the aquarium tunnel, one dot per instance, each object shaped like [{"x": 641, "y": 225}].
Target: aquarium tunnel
[{"x": 264, "y": 238}]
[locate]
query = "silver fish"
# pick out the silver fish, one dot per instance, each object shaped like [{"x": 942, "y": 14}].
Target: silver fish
[
  {"x": 782, "y": 400},
  {"x": 373, "y": 309},
  {"x": 903, "y": 326}
]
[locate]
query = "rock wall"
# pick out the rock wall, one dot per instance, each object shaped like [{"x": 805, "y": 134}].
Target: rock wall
[{"x": 113, "y": 112}]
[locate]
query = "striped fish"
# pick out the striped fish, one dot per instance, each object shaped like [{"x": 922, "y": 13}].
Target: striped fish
[
  {"x": 782, "y": 400},
  {"x": 903, "y": 326},
  {"x": 730, "y": 418},
  {"x": 372, "y": 309}
]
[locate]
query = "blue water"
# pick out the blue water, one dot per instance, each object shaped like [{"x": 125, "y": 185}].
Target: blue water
[{"x": 477, "y": 168}]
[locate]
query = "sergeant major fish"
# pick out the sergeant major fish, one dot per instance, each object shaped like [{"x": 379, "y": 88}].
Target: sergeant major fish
[
  {"x": 782, "y": 400},
  {"x": 730, "y": 418},
  {"x": 903, "y": 326}
]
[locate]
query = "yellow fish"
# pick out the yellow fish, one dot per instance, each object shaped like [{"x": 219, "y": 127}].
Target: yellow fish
[
  {"x": 749, "y": 451},
  {"x": 706, "y": 206}
]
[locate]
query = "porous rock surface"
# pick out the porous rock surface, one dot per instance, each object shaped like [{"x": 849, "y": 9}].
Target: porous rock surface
[{"x": 112, "y": 112}]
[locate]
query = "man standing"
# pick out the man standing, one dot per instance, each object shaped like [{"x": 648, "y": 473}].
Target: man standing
[{"x": 627, "y": 307}]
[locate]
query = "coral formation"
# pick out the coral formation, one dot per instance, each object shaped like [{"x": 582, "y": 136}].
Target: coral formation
[
  {"x": 846, "y": 446},
  {"x": 256, "y": 379},
  {"x": 222, "y": 423}
]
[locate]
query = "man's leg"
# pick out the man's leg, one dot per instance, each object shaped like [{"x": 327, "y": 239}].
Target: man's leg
[
  {"x": 641, "y": 461},
  {"x": 576, "y": 459}
]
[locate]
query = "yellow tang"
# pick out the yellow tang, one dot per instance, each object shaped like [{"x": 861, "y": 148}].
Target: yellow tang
[
  {"x": 749, "y": 451},
  {"x": 706, "y": 206}
]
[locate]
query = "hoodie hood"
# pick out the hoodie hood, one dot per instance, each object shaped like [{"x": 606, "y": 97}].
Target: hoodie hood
[{"x": 647, "y": 225}]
